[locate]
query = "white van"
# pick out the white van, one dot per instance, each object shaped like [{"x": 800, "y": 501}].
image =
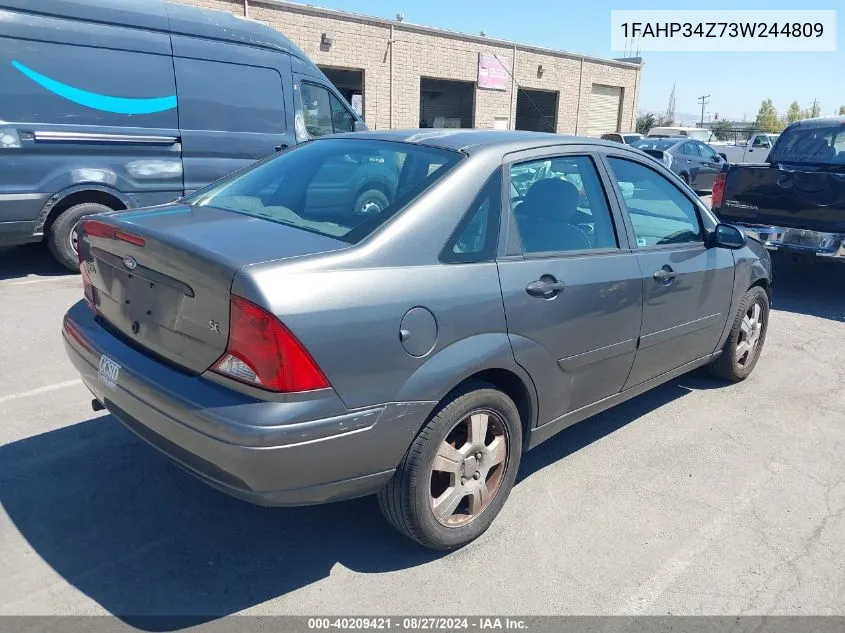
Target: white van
[{"x": 697, "y": 133}]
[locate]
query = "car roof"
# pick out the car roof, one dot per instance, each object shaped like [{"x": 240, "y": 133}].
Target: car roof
[
  {"x": 819, "y": 122},
  {"x": 472, "y": 141}
]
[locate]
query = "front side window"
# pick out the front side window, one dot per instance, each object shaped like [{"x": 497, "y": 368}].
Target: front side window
[
  {"x": 338, "y": 187},
  {"x": 560, "y": 206},
  {"x": 660, "y": 213},
  {"x": 707, "y": 152},
  {"x": 323, "y": 112}
]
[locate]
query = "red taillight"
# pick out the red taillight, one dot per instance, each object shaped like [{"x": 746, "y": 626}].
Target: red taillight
[
  {"x": 718, "y": 190},
  {"x": 129, "y": 237},
  {"x": 263, "y": 352},
  {"x": 95, "y": 228}
]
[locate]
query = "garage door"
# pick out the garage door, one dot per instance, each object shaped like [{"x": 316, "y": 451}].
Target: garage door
[{"x": 604, "y": 110}]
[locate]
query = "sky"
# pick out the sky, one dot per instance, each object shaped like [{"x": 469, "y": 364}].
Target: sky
[{"x": 736, "y": 82}]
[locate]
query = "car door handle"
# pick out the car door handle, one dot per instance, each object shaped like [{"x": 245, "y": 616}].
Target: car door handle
[
  {"x": 664, "y": 275},
  {"x": 545, "y": 287}
]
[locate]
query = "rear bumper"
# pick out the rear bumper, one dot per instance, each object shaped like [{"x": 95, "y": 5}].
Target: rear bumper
[
  {"x": 802, "y": 241},
  {"x": 301, "y": 451}
]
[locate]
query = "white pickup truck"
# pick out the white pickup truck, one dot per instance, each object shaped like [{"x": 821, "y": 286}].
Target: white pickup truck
[{"x": 756, "y": 150}]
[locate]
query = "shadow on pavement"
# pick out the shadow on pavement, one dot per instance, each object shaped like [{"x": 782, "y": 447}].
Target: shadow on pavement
[
  {"x": 815, "y": 289},
  {"x": 126, "y": 527},
  {"x": 31, "y": 259}
]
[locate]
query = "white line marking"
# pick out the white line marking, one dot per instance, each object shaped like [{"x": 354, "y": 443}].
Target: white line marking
[
  {"x": 652, "y": 589},
  {"x": 40, "y": 390},
  {"x": 38, "y": 280}
]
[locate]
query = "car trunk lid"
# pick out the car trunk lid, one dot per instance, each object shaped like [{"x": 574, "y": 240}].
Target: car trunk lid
[{"x": 163, "y": 276}]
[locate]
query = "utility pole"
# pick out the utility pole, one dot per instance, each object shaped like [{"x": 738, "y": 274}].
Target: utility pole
[{"x": 703, "y": 100}]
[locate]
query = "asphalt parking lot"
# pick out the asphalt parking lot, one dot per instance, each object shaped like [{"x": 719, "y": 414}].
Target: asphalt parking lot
[{"x": 695, "y": 498}]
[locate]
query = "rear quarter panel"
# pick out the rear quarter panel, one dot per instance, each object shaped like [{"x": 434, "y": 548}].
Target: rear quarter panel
[{"x": 349, "y": 320}]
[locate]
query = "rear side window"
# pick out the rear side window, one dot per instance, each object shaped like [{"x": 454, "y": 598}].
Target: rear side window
[
  {"x": 560, "y": 205},
  {"x": 323, "y": 112},
  {"x": 476, "y": 237},
  {"x": 343, "y": 188},
  {"x": 229, "y": 97},
  {"x": 660, "y": 213}
]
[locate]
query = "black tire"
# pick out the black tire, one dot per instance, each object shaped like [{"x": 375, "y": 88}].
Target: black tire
[
  {"x": 728, "y": 366},
  {"x": 685, "y": 178},
  {"x": 59, "y": 235},
  {"x": 371, "y": 202},
  {"x": 406, "y": 501}
]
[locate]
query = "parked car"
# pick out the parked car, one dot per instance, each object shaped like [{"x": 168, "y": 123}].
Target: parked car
[
  {"x": 619, "y": 137},
  {"x": 697, "y": 133},
  {"x": 755, "y": 150},
  {"x": 695, "y": 162},
  {"x": 110, "y": 106},
  {"x": 287, "y": 359},
  {"x": 795, "y": 202}
]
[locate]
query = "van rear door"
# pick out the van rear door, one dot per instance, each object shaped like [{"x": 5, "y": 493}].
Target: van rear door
[{"x": 232, "y": 106}]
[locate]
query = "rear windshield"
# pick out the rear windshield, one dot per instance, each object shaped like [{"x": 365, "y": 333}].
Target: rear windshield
[
  {"x": 820, "y": 145},
  {"x": 661, "y": 144},
  {"x": 338, "y": 187},
  {"x": 630, "y": 138}
]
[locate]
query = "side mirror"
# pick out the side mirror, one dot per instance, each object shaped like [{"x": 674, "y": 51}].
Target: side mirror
[
  {"x": 359, "y": 126},
  {"x": 727, "y": 236},
  {"x": 723, "y": 156}
]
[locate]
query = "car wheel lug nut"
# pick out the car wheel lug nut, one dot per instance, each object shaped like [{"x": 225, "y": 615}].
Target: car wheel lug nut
[
  {"x": 477, "y": 475},
  {"x": 478, "y": 456}
]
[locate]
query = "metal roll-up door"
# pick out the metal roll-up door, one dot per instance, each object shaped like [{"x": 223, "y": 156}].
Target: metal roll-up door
[{"x": 603, "y": 116}]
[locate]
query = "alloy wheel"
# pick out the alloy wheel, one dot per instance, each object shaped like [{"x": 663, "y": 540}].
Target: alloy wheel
[
  {"x": 750, "y": 331},
  {"x": 469, "y": 468}
]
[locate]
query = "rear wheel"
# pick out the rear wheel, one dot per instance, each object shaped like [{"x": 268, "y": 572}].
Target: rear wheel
[
  {"x": 745, "y": 341},
  {"x": 62, "y": 235},
  {"x": 459, "y": 471}
]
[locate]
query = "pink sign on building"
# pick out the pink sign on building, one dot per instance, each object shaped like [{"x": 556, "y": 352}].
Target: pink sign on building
[{"x": 492, "y": 72}]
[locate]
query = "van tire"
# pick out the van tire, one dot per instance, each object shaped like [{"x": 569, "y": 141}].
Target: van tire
[
  {"x": 60, "y": 234},
  {"x": 371, "y": 198}
]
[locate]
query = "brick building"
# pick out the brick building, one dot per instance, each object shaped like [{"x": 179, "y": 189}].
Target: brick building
[{"x": 405, "y": 75}]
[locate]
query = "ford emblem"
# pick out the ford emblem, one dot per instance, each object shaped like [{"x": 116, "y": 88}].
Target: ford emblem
[{"x": 130, "y": 263}]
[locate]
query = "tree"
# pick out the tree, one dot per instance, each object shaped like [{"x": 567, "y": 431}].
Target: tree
[
  {"x": 645, "y": 122},
  {"x": 767, "y": 118},
  {"x": 669, "y": 119},
  {"x": 841, "y": 109},
  {"x": 722, "y": 131},
  {"x": 794, "y": 112}
]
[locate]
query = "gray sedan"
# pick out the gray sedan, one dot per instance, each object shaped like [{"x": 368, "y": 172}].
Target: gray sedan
[
  {"x": 695, "y": 162},
  {"x": 289, "y": 352}
]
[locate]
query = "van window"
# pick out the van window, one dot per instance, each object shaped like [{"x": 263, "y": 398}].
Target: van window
[
  {"x": 323, "y": 112},
  {"x": 230, "y": 97},
  {"x": 53, "y": 83}
]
